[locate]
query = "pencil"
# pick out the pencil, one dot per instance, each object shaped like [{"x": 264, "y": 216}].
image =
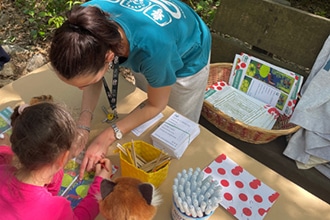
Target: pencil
[{"x": 103, "y": 166}]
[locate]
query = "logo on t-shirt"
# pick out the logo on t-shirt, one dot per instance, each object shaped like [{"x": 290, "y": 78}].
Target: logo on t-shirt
[{"x": 160, "y": 11}]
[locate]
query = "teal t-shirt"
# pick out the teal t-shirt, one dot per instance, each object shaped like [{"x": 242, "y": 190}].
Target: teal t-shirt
[{"x": 167, "y": 38}]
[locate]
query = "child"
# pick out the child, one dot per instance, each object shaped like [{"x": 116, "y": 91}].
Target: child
[
  {"x": 4, "y": 57},
  {"x": 32, "y": 170}
]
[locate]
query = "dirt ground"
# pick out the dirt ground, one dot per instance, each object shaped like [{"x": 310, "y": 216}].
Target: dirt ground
[
  {"x": 15, "y": 28},
  {"x": 319, "y": 7}
]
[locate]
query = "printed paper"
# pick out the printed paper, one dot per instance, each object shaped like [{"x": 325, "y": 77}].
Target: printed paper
[{"x": 268, "y": 83}]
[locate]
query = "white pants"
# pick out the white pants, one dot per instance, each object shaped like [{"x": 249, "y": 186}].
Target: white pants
[{"x": 187, "y": 94}]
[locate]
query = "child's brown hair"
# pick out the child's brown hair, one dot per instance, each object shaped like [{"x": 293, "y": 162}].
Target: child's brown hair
[{"x": 40, "y": 133}]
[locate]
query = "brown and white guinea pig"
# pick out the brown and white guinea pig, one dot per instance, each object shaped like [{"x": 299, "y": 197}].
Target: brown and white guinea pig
[
  {"x": 33, "y": 100},
  {"x": 41, "y": 98},
  {"x": 128, "y": 198}
]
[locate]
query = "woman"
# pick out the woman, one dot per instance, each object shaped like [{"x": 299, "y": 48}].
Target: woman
[{"x": 166, "y": 42}]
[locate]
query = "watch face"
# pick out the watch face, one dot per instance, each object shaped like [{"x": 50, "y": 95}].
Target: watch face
[{"x": 119, "y": 135}]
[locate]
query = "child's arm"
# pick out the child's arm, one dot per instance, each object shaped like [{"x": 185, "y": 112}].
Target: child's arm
[
  {"x": 88, "y": 208},
  {"x": 6, "y": 154},
  {"x": 4, "y": 140},
  {"x": 55, "y": 186}
]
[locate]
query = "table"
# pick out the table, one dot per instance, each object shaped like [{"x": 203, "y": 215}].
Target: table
[{"x": 294, "y": 202}]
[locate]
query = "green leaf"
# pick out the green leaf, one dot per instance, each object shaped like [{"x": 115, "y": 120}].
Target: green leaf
[
  {"x": 42, "y": 33},
  {"x": 31, "y": 13},
  {"x": 34, "y": 34},
  {"x": 12, "y": 39},
  {"x": 42, "y": 14}
]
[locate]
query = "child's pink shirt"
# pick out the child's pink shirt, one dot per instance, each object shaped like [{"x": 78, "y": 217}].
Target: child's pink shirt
[{"x": 22, "y": 201}]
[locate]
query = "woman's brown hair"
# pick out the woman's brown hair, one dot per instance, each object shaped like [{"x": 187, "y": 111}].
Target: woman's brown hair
[{"x": 80, "y": 45}]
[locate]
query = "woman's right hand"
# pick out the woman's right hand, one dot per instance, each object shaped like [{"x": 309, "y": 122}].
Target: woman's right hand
[{"x": 96, "y": 151}]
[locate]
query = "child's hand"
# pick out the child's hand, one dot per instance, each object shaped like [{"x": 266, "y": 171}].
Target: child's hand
[
  {"x": 4, "y": 140},
  {"x": 103, "y": 168}
]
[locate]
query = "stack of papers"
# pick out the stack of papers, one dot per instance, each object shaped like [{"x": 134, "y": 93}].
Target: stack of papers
[
  {"x": 257, "y": 92},
  {"x": 142, "y": 128},
  {"x": 175, "y": 134},
  {"x": 266, "y": 82},
  {"x": 242, "y": 107}
]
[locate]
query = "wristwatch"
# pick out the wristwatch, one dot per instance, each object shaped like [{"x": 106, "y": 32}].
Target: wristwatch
[{"x": 118, "y": 134}]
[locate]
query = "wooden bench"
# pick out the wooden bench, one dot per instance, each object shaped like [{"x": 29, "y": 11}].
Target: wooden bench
[
  {"x": 271, "y": 31},
  {"x": 280, "y": 35}
]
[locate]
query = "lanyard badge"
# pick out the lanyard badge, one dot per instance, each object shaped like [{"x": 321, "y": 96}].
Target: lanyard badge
[{"x": 112, "y": 95}]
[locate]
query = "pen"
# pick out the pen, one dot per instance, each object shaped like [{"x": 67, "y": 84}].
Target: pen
[
  {"x": 69, "y": 186},
  {"x": 192, "y": 211},
  {"x": 197, "y": 196}
]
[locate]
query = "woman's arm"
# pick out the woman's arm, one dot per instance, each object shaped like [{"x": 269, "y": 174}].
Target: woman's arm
[
  {"x": 156, "y": 102},
  {"x": 90, "y": 98}
]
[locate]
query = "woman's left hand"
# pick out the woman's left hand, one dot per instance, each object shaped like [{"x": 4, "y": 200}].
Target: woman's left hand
[{"x": 79, "y": 142}]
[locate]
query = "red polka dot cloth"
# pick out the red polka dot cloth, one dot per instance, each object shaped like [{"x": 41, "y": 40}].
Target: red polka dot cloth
[
  {"x": 218, "y": 85},
  {"x": 243, "y": 195}
]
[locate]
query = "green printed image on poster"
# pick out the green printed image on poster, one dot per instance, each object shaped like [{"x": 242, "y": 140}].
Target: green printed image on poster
[{"x": 271, "y": 76}]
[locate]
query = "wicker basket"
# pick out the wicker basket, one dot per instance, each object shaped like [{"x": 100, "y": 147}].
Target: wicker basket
[
  {"x": 235, "y": 128},
  {"x": 148, "y": 152}
]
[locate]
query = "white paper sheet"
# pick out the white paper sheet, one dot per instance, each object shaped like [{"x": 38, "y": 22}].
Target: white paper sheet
[{"x": 142, "y": 128}]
